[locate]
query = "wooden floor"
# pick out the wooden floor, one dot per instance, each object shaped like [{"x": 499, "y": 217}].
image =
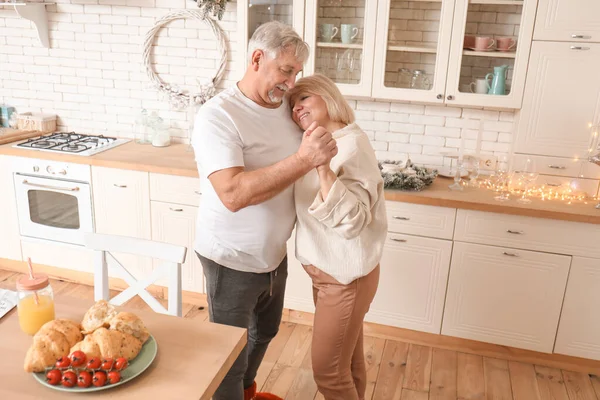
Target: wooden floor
[{"x": 396, "y": 370}]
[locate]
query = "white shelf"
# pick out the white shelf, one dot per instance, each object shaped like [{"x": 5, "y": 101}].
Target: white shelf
[
  {"x": 413, "y": 49},
  {"x": 490, "y": 54},
  {"x": 36, "y": 13},
  {"x": 498, "y": 2},
  {"x": 337, "y": 45}
]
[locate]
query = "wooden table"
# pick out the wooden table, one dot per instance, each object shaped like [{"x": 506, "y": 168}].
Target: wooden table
[{"x": 193, "y": 357}]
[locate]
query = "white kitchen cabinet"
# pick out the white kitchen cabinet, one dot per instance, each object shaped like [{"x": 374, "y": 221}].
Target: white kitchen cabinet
[
  {"x": 10, "y": 240},
  {"x": 560, "y": 100},
  {"x": 579, "y": 328},
  {"x": 505, "y": 296},
  {"x": 176, "y": 224},
  {"x": 122, "y": 207},
  {"x": 412, "y": 284},
  {"x": 429, "y": 36},
  {"x": 568, "y": 20},
  {"x": 414, "y": 36},
  {"x": 298, "y": 290},
  {"x": 494, "y": 19},
  {"x": 347, "y": 58},
  {"x": 253, "y": 13}
]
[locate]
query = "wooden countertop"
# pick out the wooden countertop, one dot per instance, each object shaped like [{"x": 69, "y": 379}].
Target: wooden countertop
[
  {"x": 172, "y": 160},
  {"x": 178, "y": 159}
]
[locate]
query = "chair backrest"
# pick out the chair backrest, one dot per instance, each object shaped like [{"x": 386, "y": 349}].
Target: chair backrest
[
  {"x": 172, "y": 256},
  {"x": 141, "y": 247}
]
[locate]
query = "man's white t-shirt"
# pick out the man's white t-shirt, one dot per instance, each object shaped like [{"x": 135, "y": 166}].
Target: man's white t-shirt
[{"x": 233, "y": 131}]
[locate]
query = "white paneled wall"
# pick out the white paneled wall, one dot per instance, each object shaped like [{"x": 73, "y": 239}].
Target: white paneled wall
[{"x": 92, "y": 77}]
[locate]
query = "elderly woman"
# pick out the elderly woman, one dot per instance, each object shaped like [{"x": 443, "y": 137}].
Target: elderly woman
[{"x": 340, "y": 232}]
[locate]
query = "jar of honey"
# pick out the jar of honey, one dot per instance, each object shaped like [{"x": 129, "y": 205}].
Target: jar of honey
[{"x": 36, "y": 302}]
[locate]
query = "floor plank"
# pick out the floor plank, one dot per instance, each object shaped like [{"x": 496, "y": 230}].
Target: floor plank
[
  {"x": 579, "y": 386},
  {"x": 408, "y": 394},
  {"x": 470, "y": 383},
  {"x": 596, "y": 384},
  {"x": 373, "y": 354},
  {"x": 418, "y": 368},
  {"x": 443, "y": 375},
  {"x": 304, "y": 386},
  {"x": 523, "y": 381},
  {"x": 284, "y": 372},
  {"x": 391, "y": 371},
  {"x": 550, "y": 383},
  {"x": 497, "y": 379}
]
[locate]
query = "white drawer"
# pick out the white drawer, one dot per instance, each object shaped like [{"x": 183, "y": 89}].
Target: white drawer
[
  {"x": 175, "y": 189},
  {"x": 560, "y": 166},
  {"x": 590, "y": 186},
  {"x": 417, "y": 219},
  {"x": 553, "y": 236}
]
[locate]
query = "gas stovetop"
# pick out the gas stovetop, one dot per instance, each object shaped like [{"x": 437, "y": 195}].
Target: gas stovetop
[{"x": 72, "y": 143}]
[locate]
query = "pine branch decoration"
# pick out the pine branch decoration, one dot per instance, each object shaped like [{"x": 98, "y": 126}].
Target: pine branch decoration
[{"x": 411, "y": 178}]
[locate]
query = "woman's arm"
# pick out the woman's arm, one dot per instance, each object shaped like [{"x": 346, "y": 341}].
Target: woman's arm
[{"x": 344, "y": 202}]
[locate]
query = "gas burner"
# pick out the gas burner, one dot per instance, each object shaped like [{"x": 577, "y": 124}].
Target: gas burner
[
  {"x": 74, "y": 148},
  {"x": 43, "y": 144},
  {"x": 66, "y": 136}
]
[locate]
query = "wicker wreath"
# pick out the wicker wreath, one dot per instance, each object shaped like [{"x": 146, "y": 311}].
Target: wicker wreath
[{"x": 174, "y": 94}]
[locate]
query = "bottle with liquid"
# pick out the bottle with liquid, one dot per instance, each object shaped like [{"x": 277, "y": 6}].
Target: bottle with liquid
[{"x": 35, "y": 305}]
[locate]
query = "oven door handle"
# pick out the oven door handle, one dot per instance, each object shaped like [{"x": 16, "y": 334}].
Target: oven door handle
[{"x": 75, "y": 189}]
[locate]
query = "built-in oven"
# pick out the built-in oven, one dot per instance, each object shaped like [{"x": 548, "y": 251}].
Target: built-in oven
[{"x": 54, "y": 200}]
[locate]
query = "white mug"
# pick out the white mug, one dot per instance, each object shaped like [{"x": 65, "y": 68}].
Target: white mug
[
  {"x": 480, "y": 86},
  {"x": 328, "y": 32},
  {"x": 349, "y": 33}
]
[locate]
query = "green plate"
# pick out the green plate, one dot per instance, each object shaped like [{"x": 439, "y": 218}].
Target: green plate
[{"x": 136, "y": 367}]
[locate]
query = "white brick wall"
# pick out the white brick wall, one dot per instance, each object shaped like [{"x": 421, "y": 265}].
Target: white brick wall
[{"x": 92, "y": 77}]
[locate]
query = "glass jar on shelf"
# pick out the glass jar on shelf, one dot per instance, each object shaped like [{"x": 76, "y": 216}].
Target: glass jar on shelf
[{"x": 420, "y": 80}]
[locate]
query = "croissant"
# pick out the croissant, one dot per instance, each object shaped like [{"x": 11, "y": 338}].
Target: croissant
[
  {"x": 52, "y": 341},
  {"x": 104, "y": 343},
  {"x": 98, "y": 316},
  {"x": 131, "y": 324}
]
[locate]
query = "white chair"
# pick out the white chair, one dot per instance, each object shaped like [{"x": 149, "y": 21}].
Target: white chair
[{"x": 171, "y": 255}]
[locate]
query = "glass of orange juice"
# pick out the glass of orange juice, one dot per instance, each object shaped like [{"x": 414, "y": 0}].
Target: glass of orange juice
[{"x": 36, "y": 302}]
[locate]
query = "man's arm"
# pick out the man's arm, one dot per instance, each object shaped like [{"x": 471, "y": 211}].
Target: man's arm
[{"x": 238, "y": 189}]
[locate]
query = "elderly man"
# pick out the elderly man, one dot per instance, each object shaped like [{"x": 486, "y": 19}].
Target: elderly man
[{"x": 249, "y": 153}]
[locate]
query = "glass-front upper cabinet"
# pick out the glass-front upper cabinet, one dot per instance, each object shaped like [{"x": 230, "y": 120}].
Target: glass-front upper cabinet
[
  {"x": 341, "y": 34},
  {"x": 491, "y": 40},
  {"x": 253, "y": 13},
  {"x": 412, "y": 49}
]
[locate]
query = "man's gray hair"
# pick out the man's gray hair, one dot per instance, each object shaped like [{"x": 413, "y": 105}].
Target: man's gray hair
[{"x": 274, "y": 37}]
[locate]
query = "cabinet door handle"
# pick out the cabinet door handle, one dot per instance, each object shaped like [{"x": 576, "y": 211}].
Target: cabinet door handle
[
  {"x": 440, "y": 96},
  {"x": 510, "y": 254},
  {"x": 553, "y": 184},
  {"x": 399, "y": 240},
  {"x": 75, "y": 189},
  {"x": 557, "y": 166},
  {"x": 450, "y": 97},
  {"x": 576, "y": 36},
  {"x": 198, "y": 193},
  {"x": 119, "y": 186},
  {"x": 176, "y": 209},
  {"x": 514, "y": 232},
  {"x": 401, "y": 218},
  {"x": 579, "y": 48}
]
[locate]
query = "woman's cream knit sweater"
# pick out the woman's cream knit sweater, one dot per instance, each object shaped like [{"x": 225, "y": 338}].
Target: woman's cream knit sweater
[{"x": 343, "y": 235}]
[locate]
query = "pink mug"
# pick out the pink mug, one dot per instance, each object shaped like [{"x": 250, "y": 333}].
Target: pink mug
[
  {"x": 506, "y": 44},
  {"x": 484, "y": 43}
]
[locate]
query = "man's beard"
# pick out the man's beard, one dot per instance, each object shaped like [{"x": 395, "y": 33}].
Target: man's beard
[{"x": 271, "y": 94}]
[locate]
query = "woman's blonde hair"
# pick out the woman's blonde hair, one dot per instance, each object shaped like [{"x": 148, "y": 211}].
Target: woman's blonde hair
[{"x": 337, "y": 107}]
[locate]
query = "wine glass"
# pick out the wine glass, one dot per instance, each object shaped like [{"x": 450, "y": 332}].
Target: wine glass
[
  {"x": 527, "y": 175},
  {"x": 503, "y": 178},
  {"x": 473, "y": 166},
  {"x": 457, "y": 173}
]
